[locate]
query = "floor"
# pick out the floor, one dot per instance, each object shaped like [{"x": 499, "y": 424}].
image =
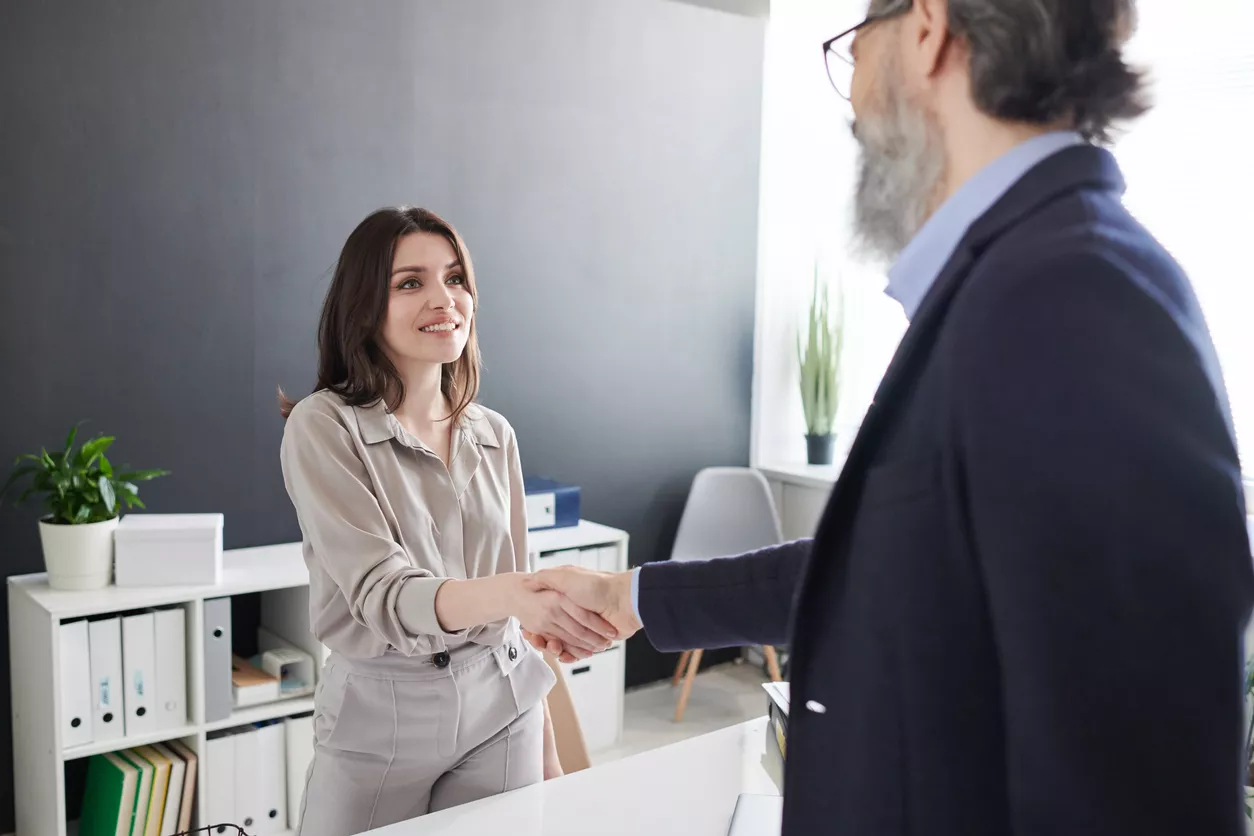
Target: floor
[{"x": 722, "y": 696}]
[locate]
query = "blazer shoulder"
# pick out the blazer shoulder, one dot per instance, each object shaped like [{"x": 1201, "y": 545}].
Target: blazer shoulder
[{"x": 1081, "y": 252}]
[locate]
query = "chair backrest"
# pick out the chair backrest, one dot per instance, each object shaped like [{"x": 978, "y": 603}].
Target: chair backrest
[{"x": 729, "y": 510}]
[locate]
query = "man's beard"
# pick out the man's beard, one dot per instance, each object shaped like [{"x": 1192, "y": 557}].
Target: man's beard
[{"x": 901, "y": 167}]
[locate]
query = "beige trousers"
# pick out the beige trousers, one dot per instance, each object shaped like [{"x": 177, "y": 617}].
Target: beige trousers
[{"x": 399, "y": 737}]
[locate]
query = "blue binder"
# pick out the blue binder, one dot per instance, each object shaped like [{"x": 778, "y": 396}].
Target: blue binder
[{"x": 550, "y": 504}]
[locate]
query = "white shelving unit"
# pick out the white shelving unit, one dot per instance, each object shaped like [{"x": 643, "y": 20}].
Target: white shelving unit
[{"x": 36, "y": 613}]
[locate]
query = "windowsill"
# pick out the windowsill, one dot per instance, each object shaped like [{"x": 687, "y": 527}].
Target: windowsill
[{"x": 804, "y": 475}]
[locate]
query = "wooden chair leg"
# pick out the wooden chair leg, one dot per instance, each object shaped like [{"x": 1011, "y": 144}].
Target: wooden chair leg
[
  {"x": 693, "y": 664},
  {"x": 772, "y": 662},
  {"x": 679, "y": 668}
]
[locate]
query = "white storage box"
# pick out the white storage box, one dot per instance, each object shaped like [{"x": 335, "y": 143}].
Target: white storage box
[{"x": 168, "y": 550}]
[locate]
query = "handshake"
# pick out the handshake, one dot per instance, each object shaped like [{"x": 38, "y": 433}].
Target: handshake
[{"x": 573, "y": 613}]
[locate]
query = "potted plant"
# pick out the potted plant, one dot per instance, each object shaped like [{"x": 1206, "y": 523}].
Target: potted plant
[
  {"x": 819, "y": 361},
  {"x": 82, "y": 495}
]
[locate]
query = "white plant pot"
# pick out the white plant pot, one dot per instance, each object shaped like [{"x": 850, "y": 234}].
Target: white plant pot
[{"x": 78, "y": 556}]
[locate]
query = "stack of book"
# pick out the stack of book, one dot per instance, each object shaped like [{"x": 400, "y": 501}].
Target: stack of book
[
  {"x": 778, "y": 713},
  {"x": 145, "y": 791}
]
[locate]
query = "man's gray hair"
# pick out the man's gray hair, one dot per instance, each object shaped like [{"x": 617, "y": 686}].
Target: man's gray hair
[{"x": 1045, "y": 61}]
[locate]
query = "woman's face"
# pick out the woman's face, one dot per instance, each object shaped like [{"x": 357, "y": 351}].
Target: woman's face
[{"x": 429, "y": 303}]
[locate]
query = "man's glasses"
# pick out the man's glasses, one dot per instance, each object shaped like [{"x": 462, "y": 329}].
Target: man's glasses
[{"x": 838, "y": 51}]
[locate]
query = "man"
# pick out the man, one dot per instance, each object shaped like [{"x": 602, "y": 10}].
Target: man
[{"x": 1023, "y": 609}]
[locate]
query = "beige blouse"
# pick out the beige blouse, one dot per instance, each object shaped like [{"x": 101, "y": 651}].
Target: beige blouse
[{"x": 385, "y": 522}]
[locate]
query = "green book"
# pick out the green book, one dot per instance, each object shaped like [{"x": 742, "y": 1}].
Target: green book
[
  {"x": 109, "y": 797},
  {"x": 143, "y": 795}
]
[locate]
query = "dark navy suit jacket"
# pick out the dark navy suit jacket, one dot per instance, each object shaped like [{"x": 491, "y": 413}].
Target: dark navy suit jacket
[{"x": 1022, "y": 612}]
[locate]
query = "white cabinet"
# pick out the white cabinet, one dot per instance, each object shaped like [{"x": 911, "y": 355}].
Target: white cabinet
[
  {"x": 565, "y": 557},
  {"x": 596, "y": 689},
  {"x": 596, "y": 684}
]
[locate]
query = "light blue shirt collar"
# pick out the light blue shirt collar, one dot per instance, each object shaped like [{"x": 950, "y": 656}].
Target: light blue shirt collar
[{"x": 921, "y": 262}]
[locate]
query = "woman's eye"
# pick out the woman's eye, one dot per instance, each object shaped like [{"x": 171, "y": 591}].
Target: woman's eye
[
  {"x": 409, "y": 284},
  {"x": 456, "y": 280}
]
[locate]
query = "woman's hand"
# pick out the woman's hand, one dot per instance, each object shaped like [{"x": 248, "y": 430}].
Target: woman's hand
[{"x": 545, "y": 612}]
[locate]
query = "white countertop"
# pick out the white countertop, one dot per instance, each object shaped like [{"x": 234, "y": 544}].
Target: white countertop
[{"x": 687, "y": 788}]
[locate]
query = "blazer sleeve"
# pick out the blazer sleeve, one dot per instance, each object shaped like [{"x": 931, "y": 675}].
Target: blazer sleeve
[
  {"x": 725, "y": 602},
  {"x": 1104, "y": 503}
]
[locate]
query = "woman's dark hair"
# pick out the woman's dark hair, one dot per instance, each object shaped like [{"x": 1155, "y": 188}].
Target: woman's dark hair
[
  {"x": 1044, "y": 61},
  {"x": 351, "y": 362}
]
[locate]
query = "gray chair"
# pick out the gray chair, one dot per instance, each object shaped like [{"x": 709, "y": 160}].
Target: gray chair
[{"x": 729, "y": 510}]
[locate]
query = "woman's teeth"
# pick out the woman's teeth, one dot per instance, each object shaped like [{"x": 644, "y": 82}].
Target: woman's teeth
[{"x": 443, "y": 326}]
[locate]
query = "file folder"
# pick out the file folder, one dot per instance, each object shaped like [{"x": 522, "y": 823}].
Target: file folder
[
  {"x": 104, "y": 641},
  {"x": 247, "y": 774},
  {"x": 217, "y": 636},
  {"x": 143, "y": 796},
  {"x": 299, "y": 739},
  {"x": 171, "y": 668},
  {"x": 75, "y": 668},
  {"x": 138, "y": 661},
  {"x": 220, "y": 779},
  {"x": 160, "y": 788},
  {"x": 189, "y": 785},
  {"x": 174, "y": 794},
  {"x": 549, "y": 504},
  {"x": 271, "y": 766},
  {"x": 109, "y": 797}
]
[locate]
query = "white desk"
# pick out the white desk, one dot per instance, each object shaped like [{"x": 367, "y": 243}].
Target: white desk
[{"x": 689, "y": 788}]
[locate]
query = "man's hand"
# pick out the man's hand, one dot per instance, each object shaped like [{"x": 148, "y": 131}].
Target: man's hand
[{"x": 607, "y": 594}]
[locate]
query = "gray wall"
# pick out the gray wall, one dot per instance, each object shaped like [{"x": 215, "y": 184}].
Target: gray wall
[{"x": 176, "y": 180}]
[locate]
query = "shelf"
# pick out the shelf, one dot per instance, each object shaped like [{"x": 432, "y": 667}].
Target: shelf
[
  {"x": 261, "y": 713},
  {"x": 99, "y": 748},
  {"x": 243, "y": 571}
]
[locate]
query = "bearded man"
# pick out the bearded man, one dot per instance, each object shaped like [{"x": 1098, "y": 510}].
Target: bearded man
[{"x": 1023, "y": 610}]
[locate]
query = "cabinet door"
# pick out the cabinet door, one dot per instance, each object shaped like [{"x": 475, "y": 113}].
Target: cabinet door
[
  {"x": 566, "y": 557},
  {"x": 596, "y": 689},
  {"x": 608, "y": 559}
]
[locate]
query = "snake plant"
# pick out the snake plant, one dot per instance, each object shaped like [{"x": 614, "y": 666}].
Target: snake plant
[{"x": 819, "y": 360}]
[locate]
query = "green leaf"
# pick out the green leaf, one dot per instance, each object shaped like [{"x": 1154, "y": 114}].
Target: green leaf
[
  {"x": 83, "y": 513},
  {"x": 107, "y": 496},
  {"x": 94, "y": 448},
  {"x": 69, "y": 440},
  {"x": 140, "y": 475},
  {"x": 105, "y": 467}
]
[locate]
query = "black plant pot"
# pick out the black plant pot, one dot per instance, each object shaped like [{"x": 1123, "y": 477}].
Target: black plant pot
[{"x": 819, "y": 448}]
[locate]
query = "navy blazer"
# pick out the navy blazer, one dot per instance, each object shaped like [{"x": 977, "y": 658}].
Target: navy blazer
[{"x": 1023, "y": 609}]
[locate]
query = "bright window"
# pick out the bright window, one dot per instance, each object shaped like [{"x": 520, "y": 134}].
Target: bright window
[{"x": 1189, "y": 164}]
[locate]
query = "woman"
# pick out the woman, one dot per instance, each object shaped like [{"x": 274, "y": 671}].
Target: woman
[{"x": 411, "y": 503}]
